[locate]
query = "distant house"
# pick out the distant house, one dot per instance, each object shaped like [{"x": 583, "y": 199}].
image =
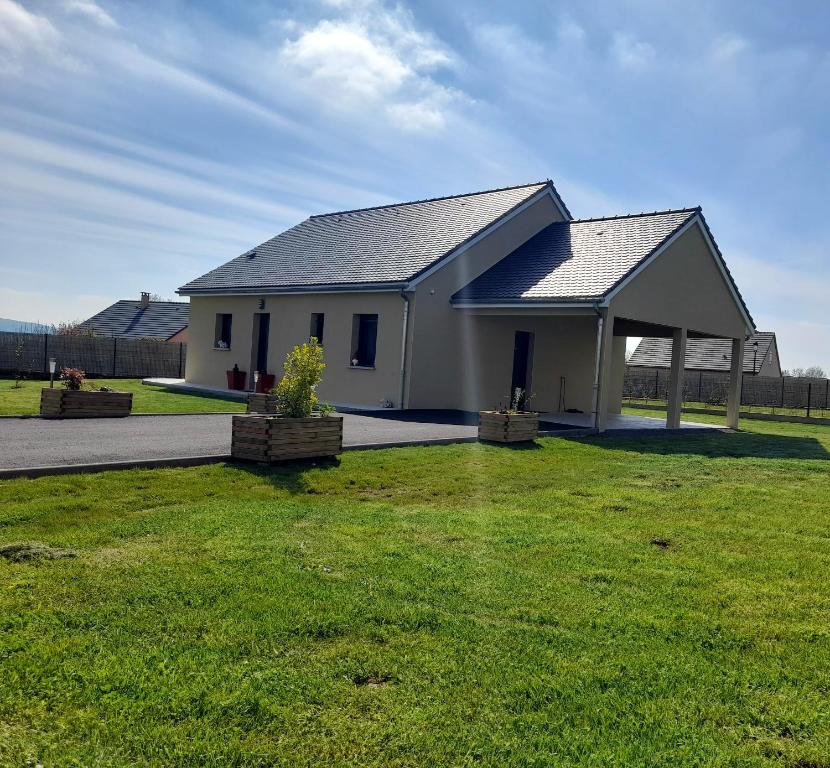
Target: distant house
[
  {"x": 142, "y": 319},
  {"x": 712, "y": 355}
]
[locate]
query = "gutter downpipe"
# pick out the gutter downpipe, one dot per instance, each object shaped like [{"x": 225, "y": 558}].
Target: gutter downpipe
[
  {"x": 597, "y": 362},
  {"x": 405, "y": 327}
]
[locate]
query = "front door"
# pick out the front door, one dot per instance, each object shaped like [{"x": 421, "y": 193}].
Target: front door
[
  {"x": 259, "y": 343},
  {"x": 522, "y": 363}
]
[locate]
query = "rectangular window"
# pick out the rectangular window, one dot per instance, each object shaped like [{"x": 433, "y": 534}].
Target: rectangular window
[
  {"x": 364, "y": 340},
  {"x": 222, "y": 333},
  {"x": 317, "y": 321}
]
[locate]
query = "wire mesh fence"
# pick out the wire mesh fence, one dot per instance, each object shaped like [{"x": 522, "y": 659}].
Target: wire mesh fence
[
  {"x": 28, "y": 354},
  {"x": 787, "y": 395}
]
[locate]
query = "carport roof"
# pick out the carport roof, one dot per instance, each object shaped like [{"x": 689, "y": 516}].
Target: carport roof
[{"x": 581, "y": 260}]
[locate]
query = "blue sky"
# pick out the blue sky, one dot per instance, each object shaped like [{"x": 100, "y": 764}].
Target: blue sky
[{"x": 142, "y": 144}]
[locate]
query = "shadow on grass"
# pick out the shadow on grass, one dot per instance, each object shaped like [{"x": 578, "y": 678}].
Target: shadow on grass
[
  {"x": 714, "y": 444},
  {"x": 525, "y": 446},
  {"x": 288, "y": 476}
]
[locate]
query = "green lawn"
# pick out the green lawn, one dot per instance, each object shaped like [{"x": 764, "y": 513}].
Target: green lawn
[
  {"x": 657, "y": 601},
  {"x": 25, "y": 400}
]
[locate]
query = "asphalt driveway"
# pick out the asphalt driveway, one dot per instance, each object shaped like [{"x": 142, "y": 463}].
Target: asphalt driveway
[{"x": 47, "y": 443}]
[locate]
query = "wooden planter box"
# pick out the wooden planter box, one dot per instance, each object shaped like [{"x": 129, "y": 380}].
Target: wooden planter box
[
  {"x": 84, "y": 404},
  {"x": 508, "y": 427},
  {"x": 262, "y": 403},
  {"x": 268, "y": 439}
]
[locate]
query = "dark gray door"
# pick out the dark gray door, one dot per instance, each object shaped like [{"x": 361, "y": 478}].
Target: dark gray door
[{"x": 522, "y": 362}]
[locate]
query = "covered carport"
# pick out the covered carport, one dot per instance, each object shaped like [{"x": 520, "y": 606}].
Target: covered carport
[{"x": 586, "y": 285}]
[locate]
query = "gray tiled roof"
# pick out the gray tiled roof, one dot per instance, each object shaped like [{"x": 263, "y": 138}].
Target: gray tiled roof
[
  {"x": 159, "y": 320},
  {"x": 385, "y": 244},
  {"x": 702, "y": 354},
  {"x": 574, "y": 260}
]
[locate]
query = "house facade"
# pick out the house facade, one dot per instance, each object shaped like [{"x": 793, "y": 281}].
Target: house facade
[{"x": 453, "y": 303}]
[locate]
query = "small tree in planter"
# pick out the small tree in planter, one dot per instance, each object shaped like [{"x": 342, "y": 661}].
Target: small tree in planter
[
  {"x": 300, "y": 428},
  {"x": 72, "y": 401},
  {"x": 513, "y": 424}
]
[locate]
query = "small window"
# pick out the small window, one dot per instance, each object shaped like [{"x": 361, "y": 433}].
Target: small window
[
  {"x": 364, "y": 340},
  {"x": 222, "y": 334},
  {"x": 317, "y": 321}
]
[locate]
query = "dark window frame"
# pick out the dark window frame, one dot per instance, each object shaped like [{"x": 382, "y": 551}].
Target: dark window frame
[
  {"x": 223, "y": 330},
  {"x": 317, "y": 327},
  {"x": 364, "y": 340}
]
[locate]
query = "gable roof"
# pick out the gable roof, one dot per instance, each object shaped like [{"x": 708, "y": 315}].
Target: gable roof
[
  {"x": 703, "y": 354},
  {"x": 387, "y": 244},
  {"x": 159, "y": 319},
  {"x": 579, "y": 260},
  {"x": 588, "y": 260}
]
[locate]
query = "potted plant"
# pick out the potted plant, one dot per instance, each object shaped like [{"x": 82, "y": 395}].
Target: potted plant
[
  {"x": 300, "y": 428},
  {"x": 73, "y": 401},
  {"x": 236, "y": 379},
  {"x": 513, "y": 424}
]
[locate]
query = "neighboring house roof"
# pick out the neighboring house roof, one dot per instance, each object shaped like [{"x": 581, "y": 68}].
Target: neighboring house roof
[
  {"x": 703, "y": 354},
  {"x": 368, "y": 246},
  {"x": 574, "y": 260},
  {"x": 158, "y": 319}
]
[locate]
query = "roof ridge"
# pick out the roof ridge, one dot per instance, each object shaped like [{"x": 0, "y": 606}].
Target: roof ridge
[
  {"x": 138, "y": 301},
  {"x": 696, "y": 209},
  {"x": 546, "y": 182}
]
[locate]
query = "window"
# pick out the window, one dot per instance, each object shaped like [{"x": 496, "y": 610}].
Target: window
[
  {"x": 364, "y": 340},
  {"x": 317, "y": 320},
  {"x": 222, "y": 334}
]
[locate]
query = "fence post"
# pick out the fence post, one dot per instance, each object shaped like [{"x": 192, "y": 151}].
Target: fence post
[
  {"x": 180, "y": 359},
  {"x": 114, "y": 353},
  {"x": 700, "y": 386},
  {"x": 826, "y": 392},
  {"x": 656, "y": 383},
  {"x": 45, "y": 353},
  {"x": 783, "y": 381},
  {"x": 809, "y": 396}
]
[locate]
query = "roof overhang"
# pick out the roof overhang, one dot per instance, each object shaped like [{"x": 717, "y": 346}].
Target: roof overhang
[{"x": 296, "y": 289}]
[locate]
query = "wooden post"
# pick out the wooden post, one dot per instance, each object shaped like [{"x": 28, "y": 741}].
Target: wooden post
[
  {"x": 733, "y": 400},
  {"x": 809, "y": 396},
  {"x": 678, "y": 368},
  {"x": 180, "y": 359},
  {"x": 114, "y": 353}
]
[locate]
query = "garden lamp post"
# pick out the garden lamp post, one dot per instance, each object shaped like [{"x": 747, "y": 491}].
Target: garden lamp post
[
  {"x": 256, "y": 381},
  {"x": 754, "y": 355},
  {"x": 52, "y": 364}
]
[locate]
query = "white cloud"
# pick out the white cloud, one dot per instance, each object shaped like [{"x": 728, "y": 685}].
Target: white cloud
[
  {"x": 23, "y": 34},
  {"x": 343, "y": 56},
  {"x": 728, "y": 47},
  {"x": 92, "y": 11},
  {"x": 633, "y": 55},
  {"x": 372, "y": 56}
]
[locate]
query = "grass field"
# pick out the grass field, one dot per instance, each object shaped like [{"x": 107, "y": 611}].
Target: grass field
[
  {"x": 25, "y": 400},
  {"x": 594, "y": 602}
]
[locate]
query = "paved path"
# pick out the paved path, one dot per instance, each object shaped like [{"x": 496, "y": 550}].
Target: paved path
[
  {"x": 33, "y": 443},
  {"x": 41, "y": 442}
]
